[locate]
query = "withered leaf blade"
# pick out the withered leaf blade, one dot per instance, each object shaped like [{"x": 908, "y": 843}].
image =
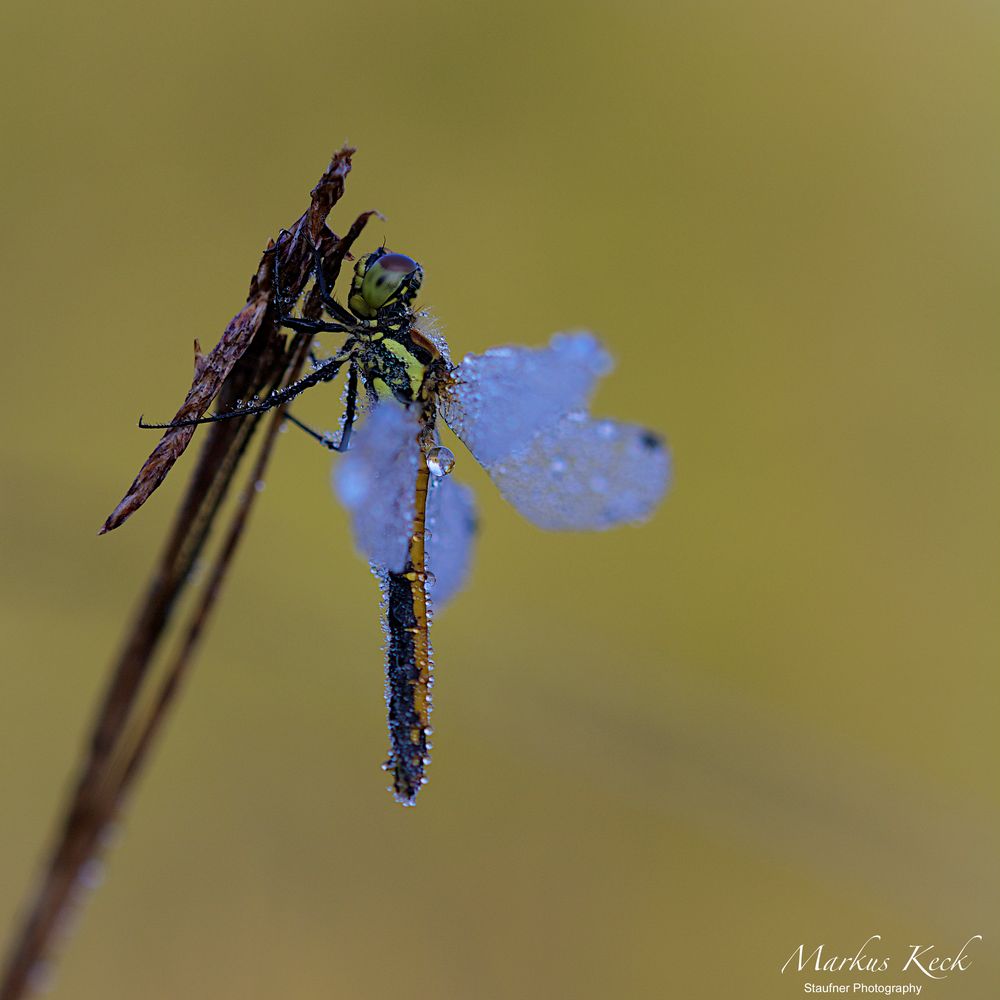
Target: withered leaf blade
[
  {"x": 328, "y": 191},
  {"x": 210, "y": 372}
]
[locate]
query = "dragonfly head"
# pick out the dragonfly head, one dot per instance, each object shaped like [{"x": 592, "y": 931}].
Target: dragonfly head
[{"x": 383, "y": 279}]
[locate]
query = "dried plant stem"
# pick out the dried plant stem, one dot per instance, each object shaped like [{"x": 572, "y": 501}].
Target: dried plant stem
[
  {"x": 97, "y": 798},
  {"x": 146, "y": 730},
  {"x": 252, "y": 359}
]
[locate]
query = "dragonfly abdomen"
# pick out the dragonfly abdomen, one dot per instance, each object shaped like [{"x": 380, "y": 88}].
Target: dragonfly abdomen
[{"x": 408, "y": 658}]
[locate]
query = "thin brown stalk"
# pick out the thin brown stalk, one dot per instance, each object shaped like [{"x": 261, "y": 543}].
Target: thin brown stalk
[
  {"x": 251, "y": 359},
  {"x": 136, "y": 744}
]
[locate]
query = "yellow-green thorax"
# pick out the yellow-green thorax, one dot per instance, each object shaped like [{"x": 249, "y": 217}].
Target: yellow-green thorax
[{"x": 395, "y": 359}]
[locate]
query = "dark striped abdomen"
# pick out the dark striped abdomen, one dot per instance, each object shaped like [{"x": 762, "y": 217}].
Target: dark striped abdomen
[{"x": 408, "y": 658}]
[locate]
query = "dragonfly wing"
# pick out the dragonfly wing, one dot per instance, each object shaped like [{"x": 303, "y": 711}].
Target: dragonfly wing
[
  {"x": 375, "y": 482},
  {"x": 501, "y": 398},
  {"x": 451, "y": 525},
  {"x": 522, "y": 412},
  {"x": 582, "y": 474}
]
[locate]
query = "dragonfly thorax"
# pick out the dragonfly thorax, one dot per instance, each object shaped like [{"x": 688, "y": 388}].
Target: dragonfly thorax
[{"x": 403, "y": 364}]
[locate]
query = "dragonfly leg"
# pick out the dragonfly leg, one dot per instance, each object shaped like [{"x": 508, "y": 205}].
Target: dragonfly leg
[
  {"x": 326, "y": 440},
  {"x": 350, "y": 413},
  {"x": 325, "y": 373},
  {"x": 309, "y": 325},
  {"x": 298, "y": 323},
  {"x": 333, "y": 307}
]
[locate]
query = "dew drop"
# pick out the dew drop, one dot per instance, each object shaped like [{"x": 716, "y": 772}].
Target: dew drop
[
  {"x": 91, "y": 874},
  {"x": 41, "y": 977},
  {"x": 440, "y": 461},
  {"x": 109, "y": 835}
]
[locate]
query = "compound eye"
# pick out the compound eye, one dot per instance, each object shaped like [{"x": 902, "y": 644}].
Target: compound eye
[{"x": 384, "y": 277}]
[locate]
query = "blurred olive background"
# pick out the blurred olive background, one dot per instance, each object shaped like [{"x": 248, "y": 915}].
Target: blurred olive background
[{"x": 664, "y": 756}]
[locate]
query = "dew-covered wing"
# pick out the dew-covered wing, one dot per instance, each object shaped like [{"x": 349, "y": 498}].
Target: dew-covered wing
[
  {"x": 501, "y": 398},
  {"x": 581, "y": 474},
  {"x": 451, "y": 528},
  {"x": 376, "y": 480},
  {"x": 523, "y": 413}
]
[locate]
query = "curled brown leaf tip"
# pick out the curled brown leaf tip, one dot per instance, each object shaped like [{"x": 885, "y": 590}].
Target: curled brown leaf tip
[
  {"x": 199, "y": 360},
  {"x": 328, "y": 190}
]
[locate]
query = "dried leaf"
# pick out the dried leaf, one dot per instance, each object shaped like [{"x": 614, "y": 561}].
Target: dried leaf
[{"x": 210, "y": 372}]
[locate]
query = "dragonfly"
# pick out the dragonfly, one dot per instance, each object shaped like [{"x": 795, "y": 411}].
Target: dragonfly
[{"x": 522, "y": 412}]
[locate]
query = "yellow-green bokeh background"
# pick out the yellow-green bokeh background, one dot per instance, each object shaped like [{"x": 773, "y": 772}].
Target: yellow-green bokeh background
[{"x": 664, "y": 756}]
